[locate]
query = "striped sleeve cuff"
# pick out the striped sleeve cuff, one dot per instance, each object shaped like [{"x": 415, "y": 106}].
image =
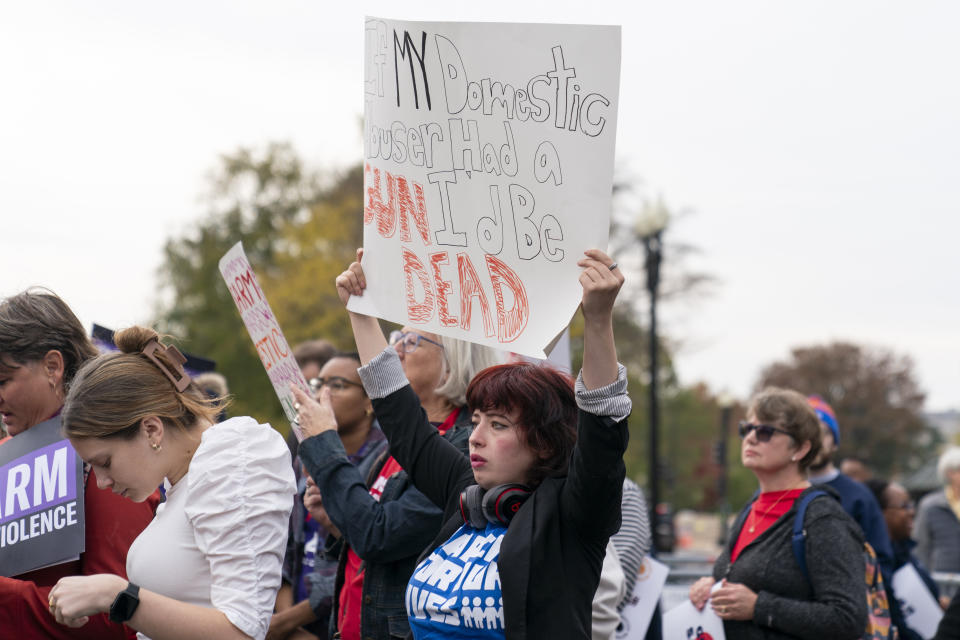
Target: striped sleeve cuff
[
  {"x": 611, "y": 400},
  {"x": 383, "y": 374}
]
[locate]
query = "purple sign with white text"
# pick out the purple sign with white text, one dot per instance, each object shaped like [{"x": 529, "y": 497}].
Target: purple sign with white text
[{"x": 41, "y": 500}]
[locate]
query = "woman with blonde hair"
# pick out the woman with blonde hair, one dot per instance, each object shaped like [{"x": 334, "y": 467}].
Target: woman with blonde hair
[{"x": 208, "y": 566}]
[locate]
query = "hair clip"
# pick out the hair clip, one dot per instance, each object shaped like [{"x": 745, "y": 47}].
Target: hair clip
[{"x": 180, "y": 378}]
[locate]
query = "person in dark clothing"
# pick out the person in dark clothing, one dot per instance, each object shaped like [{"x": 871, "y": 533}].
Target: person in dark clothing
[
  {"x": 949, "y": 628},
  {"x": 763, "y": 591},
  {"x": 898, "y": 511},
  {"x": 856, "y": 498},
  {"x": 309, "y": 574},
  {"x": 533, "y": 507},
  {"x": 384, "y": 520}
]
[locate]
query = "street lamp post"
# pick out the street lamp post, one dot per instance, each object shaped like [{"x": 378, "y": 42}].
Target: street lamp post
[
  {"x": 654, "y": 255},
  {"x": 650, "y": 228},
  {"x": 726, "y": 409}
]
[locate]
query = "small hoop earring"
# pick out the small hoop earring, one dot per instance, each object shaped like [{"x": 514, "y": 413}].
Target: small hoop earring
[
  {"x": 369, "y": 412},
  {"x": 156, "y": 446}
]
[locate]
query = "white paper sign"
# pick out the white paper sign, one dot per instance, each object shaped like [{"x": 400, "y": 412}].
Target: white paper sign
[
  {"x": 684, "y": 622},
  {"x": 637, "y": 613},
  {"x": 920, "y": 609},
  {"x": 488, "y": 171},
  {"x": 272, "y": 347}
]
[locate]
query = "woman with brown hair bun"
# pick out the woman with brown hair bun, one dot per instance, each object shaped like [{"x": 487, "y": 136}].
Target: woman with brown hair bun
[
  {"x": 42, "y": 345},
  {"x": 208, "y": 566}
]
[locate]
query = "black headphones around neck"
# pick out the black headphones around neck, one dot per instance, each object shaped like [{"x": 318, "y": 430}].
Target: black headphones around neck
[{"x": 497, "y": 506}]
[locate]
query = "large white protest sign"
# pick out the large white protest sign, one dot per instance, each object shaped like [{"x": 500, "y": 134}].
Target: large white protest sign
[
  {"x": 272, "y": 347},
  {"x": 638, "y": 612},
  {"x": 488, "y": 171},
  {"x": 41, "y": 500},
  {"x": 920, "y": 609}
]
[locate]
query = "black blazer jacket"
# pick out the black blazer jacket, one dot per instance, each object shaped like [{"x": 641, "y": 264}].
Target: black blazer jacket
[{"x": 551, "y": 555}]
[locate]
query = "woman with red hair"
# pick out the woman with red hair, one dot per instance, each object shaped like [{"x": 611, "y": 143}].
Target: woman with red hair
[{"x": 533, "y": 506}]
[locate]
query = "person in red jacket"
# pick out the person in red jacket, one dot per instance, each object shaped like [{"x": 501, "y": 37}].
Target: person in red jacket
[{"x": 42, "y": 345}]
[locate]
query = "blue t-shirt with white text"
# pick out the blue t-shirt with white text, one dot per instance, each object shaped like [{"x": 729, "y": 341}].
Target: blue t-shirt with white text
[{"x": 455, "y": 592}]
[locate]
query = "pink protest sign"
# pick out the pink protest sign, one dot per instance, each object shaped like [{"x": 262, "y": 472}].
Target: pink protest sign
[{"x": 272, "y": 347}]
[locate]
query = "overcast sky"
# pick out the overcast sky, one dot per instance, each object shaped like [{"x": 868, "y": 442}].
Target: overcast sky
[{"x": 816, "y": 143}]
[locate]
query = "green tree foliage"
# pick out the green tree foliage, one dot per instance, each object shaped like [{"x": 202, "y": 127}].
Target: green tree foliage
[
  {"x": 691, "y": 433},
  {"x": 875, "y": 395},
  {"x": 316, "y": 249},
  {"x": 298, "y": 234}
]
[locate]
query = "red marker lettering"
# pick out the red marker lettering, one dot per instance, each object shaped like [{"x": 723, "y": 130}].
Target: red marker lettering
[
  {"x": 443, "y": 289},
  {"x": 470, "y": 288},
  {"x": 511, "y": 322},
  {"x": 417, "y": 312}
]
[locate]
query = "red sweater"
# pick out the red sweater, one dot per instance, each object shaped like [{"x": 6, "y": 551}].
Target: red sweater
[
  {"x": 766, "y": 510},
  {"x": 112, "y": 523}
]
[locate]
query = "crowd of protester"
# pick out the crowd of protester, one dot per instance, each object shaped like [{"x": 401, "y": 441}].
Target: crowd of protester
[{"x": 439, "y": 491}]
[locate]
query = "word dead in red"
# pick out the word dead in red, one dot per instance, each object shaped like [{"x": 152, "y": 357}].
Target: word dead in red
[{"x": 437, "y": 291}]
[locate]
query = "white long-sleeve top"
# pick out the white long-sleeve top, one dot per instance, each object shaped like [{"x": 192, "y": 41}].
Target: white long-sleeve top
[
  {"x": 219, "y": 539},
  {"x": 610, "y": 592}
]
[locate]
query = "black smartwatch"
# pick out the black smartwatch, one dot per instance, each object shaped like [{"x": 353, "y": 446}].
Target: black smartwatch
[{"x": 125, "y": 604}]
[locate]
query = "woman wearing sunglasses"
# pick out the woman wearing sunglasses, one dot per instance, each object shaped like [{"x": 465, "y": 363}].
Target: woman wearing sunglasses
[
  {"x": 385, "y": 522},
  {"x": 762, "y": 591}
]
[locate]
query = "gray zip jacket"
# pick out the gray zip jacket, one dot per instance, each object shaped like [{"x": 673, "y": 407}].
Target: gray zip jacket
[
  {"x": 832, "y": 605},
  {"x": 937, "y": 533}
]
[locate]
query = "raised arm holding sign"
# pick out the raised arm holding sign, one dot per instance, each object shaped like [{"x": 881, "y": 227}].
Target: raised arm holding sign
[{"x": 529, "y": 508}]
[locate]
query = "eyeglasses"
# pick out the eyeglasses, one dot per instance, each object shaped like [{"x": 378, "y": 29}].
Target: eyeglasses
[
  {"x": 336, "y": 383},
  {"x": 410, "y": 340},
  {"x": 764, "y": 431},
  {"x": 905, "y": 506}
]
